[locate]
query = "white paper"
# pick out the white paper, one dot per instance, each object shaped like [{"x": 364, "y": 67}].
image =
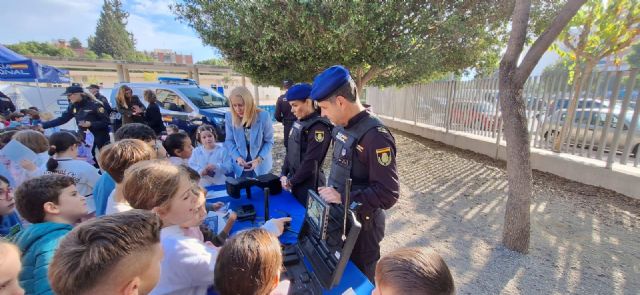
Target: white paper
[
  {"x": 16, "y": 152},
  {"x": 216, "y": 194}
]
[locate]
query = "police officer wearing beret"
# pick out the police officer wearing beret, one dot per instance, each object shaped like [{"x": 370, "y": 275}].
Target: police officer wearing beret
[
  {"x": 283, "y": 112},
  {"x": 365, "y": 151},
  {"x": 308, "y": 144},
  {"x": 89, "y": 114}
]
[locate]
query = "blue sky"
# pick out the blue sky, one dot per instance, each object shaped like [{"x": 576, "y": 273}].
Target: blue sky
[{"x": 151, "y": 22}]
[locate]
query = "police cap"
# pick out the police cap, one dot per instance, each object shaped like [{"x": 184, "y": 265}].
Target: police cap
[
  {"x": 328, "y": 81},
  {"x": 299, "y": 91},
  {"x": 73, "y": 89}
]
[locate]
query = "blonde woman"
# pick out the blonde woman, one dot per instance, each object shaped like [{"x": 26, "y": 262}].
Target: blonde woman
[
  {"x": 249, "y": 135},
  {"x": 129, "y": 106}
]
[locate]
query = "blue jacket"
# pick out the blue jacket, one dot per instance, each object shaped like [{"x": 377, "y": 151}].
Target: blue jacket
[
  {"x": 38, "y": 243},
  {"x": 7, "y": 224},
  {"x": 260, "y": 142},
  {"x": 101, "y": 192}
]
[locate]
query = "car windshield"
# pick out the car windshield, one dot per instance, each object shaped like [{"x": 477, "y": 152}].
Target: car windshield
[{"x": 204, "y": 98}]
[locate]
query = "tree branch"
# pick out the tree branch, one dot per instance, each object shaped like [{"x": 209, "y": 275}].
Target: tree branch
[
  {"x": 545, "y": 40},
  {"x": 519, "y": 22}
]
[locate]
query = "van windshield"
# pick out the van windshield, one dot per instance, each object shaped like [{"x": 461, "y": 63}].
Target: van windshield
[{"x": 204, "y": 98}]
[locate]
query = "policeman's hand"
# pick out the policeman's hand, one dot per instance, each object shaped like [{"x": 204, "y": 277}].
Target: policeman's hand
[
  {"x": 39, "y": 128},
  {"x": 329, "y": 195},
  {"x": 28, "y": 165},
  {"x": 284, "y": 181},
  {"x": 276, "y": 225}
]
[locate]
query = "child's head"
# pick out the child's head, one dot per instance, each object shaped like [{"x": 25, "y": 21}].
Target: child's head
[
  {"x": 171, "y": 129},
  {"x": 141, "y": 132},
  {"x": 178, "y": 145},
  {"x": 34, "y": 140},
  {"x": 253, "y": 254},
  {"x": 10, "y": 267},
  {"x": 200, "y": 212},
  {"x": 7, "y": 203},
  {"x": 61, "y": 142},
  {"x": 6, "y": 136},
  {"x": 206, "y": 135},
  {"x": 115, "y": 158},
  {"x": 162, "y": 187},
  {"x": 51, "y": 197},
  {"x": 15, "y": 116},
  {"x": 413, "y": 271},
  {"x": 115, "y": 254}
]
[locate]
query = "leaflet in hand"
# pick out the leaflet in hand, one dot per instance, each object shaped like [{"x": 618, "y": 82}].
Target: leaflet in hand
[{"x": 16, "y": 151}]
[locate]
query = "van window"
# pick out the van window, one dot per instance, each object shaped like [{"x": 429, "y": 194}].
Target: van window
[
  {"x": 203, "y": 98},
  {"x": 171, "y": 101}
]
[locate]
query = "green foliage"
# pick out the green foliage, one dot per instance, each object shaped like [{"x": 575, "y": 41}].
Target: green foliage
[
  {"x": 40, "y": 49},
  {"x": 90, "y": 54},
  {"x": 105, "y": 56},
  {"x": 599, "y": 29},
  {"x": 385, "y": 42},
  {"x": 75, "y": 43},
  {"x": 111, "y": 36},
  {"x": 214, "y": 62},
  {"x": 634, "y": 57}
]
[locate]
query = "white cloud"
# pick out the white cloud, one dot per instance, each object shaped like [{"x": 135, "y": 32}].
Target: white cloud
[
  {"x": 151, "y": 22},
  {"x": 152, "y": 7}
]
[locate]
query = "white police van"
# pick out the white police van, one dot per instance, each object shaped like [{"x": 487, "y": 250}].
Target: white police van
[{"x": 183, "y": 103}]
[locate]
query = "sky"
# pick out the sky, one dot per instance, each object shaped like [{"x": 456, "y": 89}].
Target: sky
[{"x": 151, "y": 22}]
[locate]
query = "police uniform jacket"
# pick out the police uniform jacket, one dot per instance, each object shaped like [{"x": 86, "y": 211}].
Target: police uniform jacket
[
  {"x": 6, "y": 105},
  {"x": 308, "y": 143},
  {"x": 85, "y": 110},
  {"x": 283, "y": 112}
]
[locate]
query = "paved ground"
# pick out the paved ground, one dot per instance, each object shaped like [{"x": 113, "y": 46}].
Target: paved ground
[{"x": 584, "y": 240}]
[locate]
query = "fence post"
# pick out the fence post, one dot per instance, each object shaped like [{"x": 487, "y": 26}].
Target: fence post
[{"x": 451, "y": 93}]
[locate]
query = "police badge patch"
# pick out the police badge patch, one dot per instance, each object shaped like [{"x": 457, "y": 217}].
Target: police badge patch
[
  {"x": 100, "y": 110},
  {"x": 384, "y": 156},
  {"x": 319, "y": 135}
]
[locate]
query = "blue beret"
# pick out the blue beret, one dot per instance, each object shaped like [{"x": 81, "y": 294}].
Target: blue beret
[
  {"x": 299, "y": 91},
  {"x": 328, "y": 81}
]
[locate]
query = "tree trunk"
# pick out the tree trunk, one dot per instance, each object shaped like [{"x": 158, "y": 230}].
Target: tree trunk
[
  {"x": 516, "y": 219},
  {"x": 580, "y": 80}
]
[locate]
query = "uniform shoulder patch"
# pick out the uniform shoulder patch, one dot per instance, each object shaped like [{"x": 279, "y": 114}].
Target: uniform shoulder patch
[
  {"x": 384, "y": 156},
  {"x": 319, "y": 135},
  {"x": 100, "y": 110},
  {"x": 360, "y": 148},
  {"x": 382, "y": 129}
]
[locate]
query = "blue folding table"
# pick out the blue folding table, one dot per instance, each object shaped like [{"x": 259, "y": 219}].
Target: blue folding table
[{"x": 282, "y": 205}]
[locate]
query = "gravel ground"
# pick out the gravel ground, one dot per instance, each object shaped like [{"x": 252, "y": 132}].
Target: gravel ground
[{"x": 584, "y": 239}]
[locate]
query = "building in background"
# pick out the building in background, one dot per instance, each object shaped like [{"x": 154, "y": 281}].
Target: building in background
[{"x": 170, "y": 56}]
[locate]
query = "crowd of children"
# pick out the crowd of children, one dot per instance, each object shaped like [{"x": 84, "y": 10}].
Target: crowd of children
[{"x": 149, "y": 198}]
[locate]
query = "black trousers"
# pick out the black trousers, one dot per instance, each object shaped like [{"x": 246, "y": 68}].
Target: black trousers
[
  {"x": 366, "y": 252},
  {"x": 99, "y": 141},
  {"x": 287, "y": 130}
]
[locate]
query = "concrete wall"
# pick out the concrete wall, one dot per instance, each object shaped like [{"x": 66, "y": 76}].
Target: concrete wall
[{"x": 621, "y": 179}]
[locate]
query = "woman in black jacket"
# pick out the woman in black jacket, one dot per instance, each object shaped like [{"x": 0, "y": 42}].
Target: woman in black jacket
[
  {"x": 152, "y": 115},
  {"x": 129, "y": 106}
]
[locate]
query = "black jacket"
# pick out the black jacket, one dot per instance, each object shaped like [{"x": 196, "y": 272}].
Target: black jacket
[
  {"x": 153, "y": 118},
  {"x": 127, "y": 112},
  {"x": 85, "y": 110},
  {"x": 6, "y": 105}
]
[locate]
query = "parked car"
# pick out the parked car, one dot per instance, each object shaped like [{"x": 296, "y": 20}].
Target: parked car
[
  {"x": 588, "y": 123},
  {"x": 184, "y": 104},
  {"x": 480, "y": 113},
  {"x": 585, "y": 103}
]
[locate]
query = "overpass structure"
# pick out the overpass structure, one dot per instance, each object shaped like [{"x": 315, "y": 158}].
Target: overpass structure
[{"x": 123, "y": 68}]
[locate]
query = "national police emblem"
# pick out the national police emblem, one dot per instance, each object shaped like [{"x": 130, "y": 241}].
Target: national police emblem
[
  {"x": 384, "y": 156},
  {"x": 319, "y": 135}
]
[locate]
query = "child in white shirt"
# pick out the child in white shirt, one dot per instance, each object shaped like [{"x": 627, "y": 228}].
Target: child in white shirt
[
  {"x": 188, "y": 264},
  {"x": 64, "y": 151},
  {"x": 179, "y": 148},
  {"x": 210, "y": 158}
]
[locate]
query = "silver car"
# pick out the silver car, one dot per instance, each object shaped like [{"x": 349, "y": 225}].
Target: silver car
[{"x": 589, "y": 127}]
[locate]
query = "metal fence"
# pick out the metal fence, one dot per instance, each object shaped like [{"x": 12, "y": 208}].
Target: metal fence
[{"x": 605, "y": 124}]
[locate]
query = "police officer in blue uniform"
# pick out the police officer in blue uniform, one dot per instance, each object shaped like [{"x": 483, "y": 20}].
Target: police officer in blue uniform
[
  {"x": 283, "y": 112},
  {"x": 309, "y": 142},
  {"x": 365, "y": 151},
  {"x": 89, "y": 114}
]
